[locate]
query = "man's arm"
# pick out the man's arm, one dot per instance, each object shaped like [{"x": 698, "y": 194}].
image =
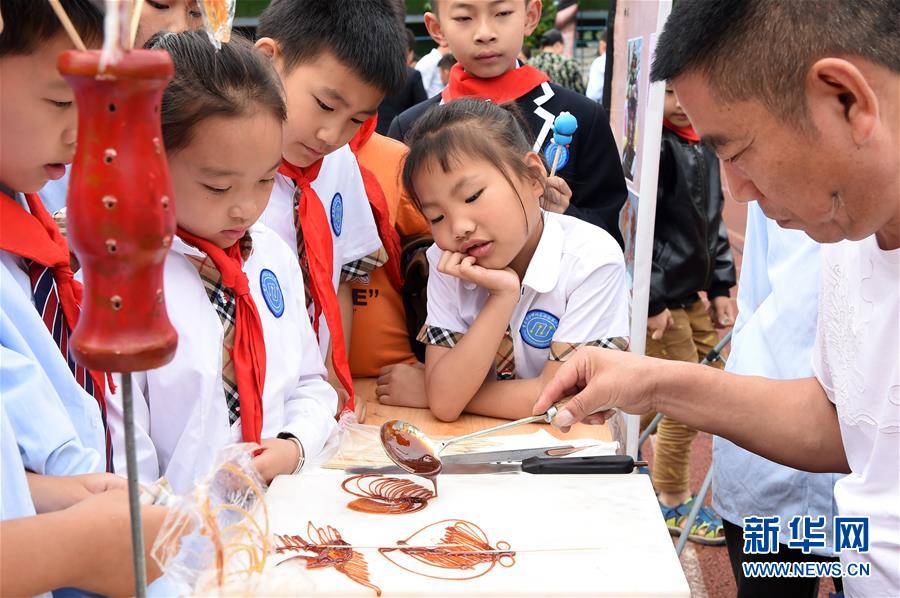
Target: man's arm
[{"x": 791, "y": 422}]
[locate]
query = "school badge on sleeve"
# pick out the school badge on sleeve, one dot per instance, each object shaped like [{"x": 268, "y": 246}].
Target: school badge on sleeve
[
  {"x": 271, "y": 292},
  {"x": 337, "y": 214},
  {"x": 538, "y": 328}
]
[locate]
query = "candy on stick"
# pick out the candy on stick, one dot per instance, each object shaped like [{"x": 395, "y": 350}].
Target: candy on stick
[
  {"x": 564, "y": 127},
  {"x": 217, "y": 18}
]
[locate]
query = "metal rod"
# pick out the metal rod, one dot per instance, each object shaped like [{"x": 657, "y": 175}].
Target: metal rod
[
  {"x": 134, "y": 503},
  {"x": 715, "y": 354},
  {"x": 519, "y": 422},
  {"x": 695, "y": 509},
  {"x": 313, "y": 548}
]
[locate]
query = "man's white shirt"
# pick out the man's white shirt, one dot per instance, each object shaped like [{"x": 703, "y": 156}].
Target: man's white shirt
[{"x": 857, "y": 361}]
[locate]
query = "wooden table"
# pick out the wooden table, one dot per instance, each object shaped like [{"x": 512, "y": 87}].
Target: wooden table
[{"x": 376, "y": 414}]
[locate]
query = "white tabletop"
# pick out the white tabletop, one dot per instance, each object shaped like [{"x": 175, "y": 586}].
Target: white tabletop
[{"x": 574, "y": 535}]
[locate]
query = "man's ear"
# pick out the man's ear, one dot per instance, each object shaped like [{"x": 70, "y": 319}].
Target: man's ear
[
  {"x": 837, "y": 92},
  {"x": 433, "y": 25},
  {"x": 532, "y": 16}
]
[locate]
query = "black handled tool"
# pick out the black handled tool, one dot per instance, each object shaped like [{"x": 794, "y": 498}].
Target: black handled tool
[{"x": 598, "y": 464}]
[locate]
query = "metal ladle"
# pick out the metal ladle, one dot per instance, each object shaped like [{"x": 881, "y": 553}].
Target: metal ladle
[{"x": 412, "y": 450}]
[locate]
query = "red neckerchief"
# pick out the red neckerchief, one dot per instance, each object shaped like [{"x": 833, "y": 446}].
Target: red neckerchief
[
  {"x": 320, "y": 256},
  {"x": 36, "y": 237},
  {"x": 687, "y": 133},
  {"x": 509, "y": 86},
  {"x": 249, "y": 351},
  {"x": 389, "y": 237}
]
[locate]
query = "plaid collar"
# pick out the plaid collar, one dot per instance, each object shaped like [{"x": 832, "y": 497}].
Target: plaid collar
[{"x": 179, "y": 246}]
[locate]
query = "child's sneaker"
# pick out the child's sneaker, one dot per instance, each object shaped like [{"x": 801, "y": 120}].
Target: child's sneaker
[{"x": 707, "y": 528}]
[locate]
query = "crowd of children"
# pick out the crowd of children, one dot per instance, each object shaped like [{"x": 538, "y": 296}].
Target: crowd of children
[{"x": 303, "y": 242}]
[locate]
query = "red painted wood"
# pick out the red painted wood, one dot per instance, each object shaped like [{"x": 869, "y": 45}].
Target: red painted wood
[{"x": 120, "y": 209}]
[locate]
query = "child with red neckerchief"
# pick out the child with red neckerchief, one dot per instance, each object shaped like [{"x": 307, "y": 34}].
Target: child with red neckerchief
[{"x": 485, "y": 38}]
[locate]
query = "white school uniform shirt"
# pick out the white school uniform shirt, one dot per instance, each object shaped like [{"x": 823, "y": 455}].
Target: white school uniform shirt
[
  {"x": 856, "y": 358},
  {"x": 181, "y": 416},
  {"x": 356, "y": 245},
  {"x": 431, "y": 74},
  {"x": 574, "y": 293},
  {"x": 58, "y": 425}
]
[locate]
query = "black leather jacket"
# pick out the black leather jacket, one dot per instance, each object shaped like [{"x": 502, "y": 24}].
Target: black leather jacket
[{"x": 690, "y": 245}]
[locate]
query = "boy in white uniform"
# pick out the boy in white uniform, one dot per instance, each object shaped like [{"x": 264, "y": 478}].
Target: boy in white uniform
[
  {"x": 247, "y": 366},
  {"x": 55, "y": 406},
  {"x": 337, "y": 59}
]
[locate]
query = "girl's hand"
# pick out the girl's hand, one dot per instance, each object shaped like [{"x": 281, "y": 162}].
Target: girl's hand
[
  {"x": 462, "y": 266},
  {"x": 278, "y": 456},
  {"x": 557, "y": 195},
  {"x": 403, "y": 385}
]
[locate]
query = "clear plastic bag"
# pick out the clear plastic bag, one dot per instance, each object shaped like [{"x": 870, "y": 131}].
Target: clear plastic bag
[
  {"x": 218, "y": 537},
  {"x": 218, "y": 15}
]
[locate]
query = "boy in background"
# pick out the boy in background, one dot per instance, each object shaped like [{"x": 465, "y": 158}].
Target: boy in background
[
  {"x": 691, "y": 253},
  {"x": 486, "y": 38},
  {"x": 334, "y": 83}
]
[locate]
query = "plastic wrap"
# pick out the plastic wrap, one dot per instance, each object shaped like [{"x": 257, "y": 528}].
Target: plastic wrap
[
  {"x": 218, "y": 15},
  {"x": 217, "y": 539}
]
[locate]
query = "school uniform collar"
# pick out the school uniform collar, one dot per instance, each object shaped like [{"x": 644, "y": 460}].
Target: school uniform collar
[
  {"x": 544, "y": 269},
  {"x": 179, "y": 246}
]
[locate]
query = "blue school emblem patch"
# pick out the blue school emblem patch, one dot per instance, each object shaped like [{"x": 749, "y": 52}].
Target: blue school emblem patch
[
  {"x": 538, "y": 328},
  {"x": 550, "y": 150},
  {"x": 271, "y": 292},
  {"x": 337, "y": 214}
]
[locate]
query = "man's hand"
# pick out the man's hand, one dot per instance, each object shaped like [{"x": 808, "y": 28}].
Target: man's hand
[
  {"x": 53, "y": 493},
  {"x": 403, "y": 385},
  {"x": 557, "y": 195},
  {"x": 722, "y": 311},
  {"x": 599, "y": 380},
  {"x": 462, "y": 266},
  {"x": 658, "y": 324},
  {"x": 278, "y": 457}
]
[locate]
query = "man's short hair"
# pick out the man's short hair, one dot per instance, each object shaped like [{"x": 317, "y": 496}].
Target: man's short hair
[
  {"x": 551, "y": 37},
  {"x": 763, "y": 49},
  {"x": 366, "y": 35},
  {"x": 29, "y": 24}
]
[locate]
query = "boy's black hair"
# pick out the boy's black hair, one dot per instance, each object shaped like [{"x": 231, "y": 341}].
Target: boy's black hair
[
  {"x": 763, "y": 49},
  {"x": 446, "y": 62},
  {"x": 551, "y": 37},
  {"x": 410, "y": 39},
  {"x": 29, "y": 24},
  {"x": 366, "y": 35},
  {"x": 232, "y": 81}
]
